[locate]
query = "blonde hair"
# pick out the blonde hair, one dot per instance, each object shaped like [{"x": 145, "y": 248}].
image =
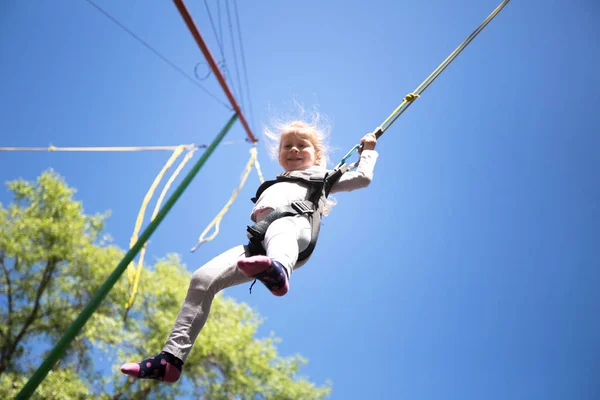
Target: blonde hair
[{"x": 317, "y": 130}]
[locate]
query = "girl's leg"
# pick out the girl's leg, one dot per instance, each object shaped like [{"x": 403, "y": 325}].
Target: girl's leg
[
  {"x": 284, "y": 239},
  {"x": 219, "y": 273}
]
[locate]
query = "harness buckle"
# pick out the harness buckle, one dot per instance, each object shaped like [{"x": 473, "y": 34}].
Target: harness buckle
[
  {"x": 303, "y": 207},
  {"x": 254, "y": 234}
]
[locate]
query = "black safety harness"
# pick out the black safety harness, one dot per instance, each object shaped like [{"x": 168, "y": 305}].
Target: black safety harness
[{"x": 318, "y": 184}]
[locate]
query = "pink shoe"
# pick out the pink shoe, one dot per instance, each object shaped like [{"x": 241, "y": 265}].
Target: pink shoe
[
  {"x": 163, "y": 367},
  {"x": 270, "y": 272}
]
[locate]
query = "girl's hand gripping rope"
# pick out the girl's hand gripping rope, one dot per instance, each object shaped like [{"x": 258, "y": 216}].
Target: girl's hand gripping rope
[{"x": 368, "y": 142}]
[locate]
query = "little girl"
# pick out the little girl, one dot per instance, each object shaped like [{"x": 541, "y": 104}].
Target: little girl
[{"x": 301, "y": 148}]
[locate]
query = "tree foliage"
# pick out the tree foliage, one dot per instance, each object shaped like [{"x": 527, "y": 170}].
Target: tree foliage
[{"x": 53, "y": 258}]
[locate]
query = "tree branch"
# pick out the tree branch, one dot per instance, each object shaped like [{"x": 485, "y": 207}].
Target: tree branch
[
  {"x": 46, "y": 278},
  {"x": 211, "y": 361},
  {"x": 145, "y": 392},
  {"x": 4, "y": 353},
  {"x": 9, "y": 289}
]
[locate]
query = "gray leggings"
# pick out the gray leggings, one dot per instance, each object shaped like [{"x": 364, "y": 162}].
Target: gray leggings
[{"x": 284, "y": 239}]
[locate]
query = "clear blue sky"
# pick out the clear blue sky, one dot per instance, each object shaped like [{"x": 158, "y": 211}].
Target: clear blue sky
[{"x": 467, "y": 270}]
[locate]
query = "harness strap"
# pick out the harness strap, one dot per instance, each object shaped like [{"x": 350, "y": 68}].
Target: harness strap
[
  {"x": 256, "y": 233},
  {"x": 311, "y": 208}
]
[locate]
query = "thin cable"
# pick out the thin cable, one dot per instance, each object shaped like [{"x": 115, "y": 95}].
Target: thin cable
[
  {"x": 220, "y": 20},
  {"x": 235, "y": 57},
  {"x": 214, "y": 28},
  {"x": 189, "y": 21},
  {"x": 219, "y": 37},
  {"x": 152, "y": 49},
  {"x": 237, "y": 19}
]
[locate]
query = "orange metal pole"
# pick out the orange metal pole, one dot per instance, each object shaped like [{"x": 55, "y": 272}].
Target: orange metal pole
[{"x": 213, "y": 65}]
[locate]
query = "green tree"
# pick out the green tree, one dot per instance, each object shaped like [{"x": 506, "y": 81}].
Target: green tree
[{"x": 54, "y": 257}]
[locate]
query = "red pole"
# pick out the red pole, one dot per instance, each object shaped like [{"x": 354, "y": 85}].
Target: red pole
[{"x": 213, "y": 65}]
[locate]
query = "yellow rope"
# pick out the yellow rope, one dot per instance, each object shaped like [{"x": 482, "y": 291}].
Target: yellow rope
[
  {"x": 252, "y": 162},
  {"x": 185, "y": 160},
  {"x": 139, "y": 269},
  {"x": 114, "y": 148},
  {"x": 258, "y": 171},
  {"x": 134, "y": 273},
  {"x": 125, "y": 148},
  {"x": 131, "y": 270}
]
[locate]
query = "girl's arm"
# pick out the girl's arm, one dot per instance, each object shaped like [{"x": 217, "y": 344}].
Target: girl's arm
[{"x": 363, "y": 175}]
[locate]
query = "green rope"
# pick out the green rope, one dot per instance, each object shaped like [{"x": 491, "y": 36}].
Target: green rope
[
  {"x": 99, "y": 296},
  {"x": 411, "y": 97}
]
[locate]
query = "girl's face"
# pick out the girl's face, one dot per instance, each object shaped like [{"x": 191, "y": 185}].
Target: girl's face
[{"x": 296, "y": 151}]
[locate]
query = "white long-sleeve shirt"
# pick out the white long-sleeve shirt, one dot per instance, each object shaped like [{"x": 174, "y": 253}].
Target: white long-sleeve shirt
[{"x": 285, "y": 193}]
